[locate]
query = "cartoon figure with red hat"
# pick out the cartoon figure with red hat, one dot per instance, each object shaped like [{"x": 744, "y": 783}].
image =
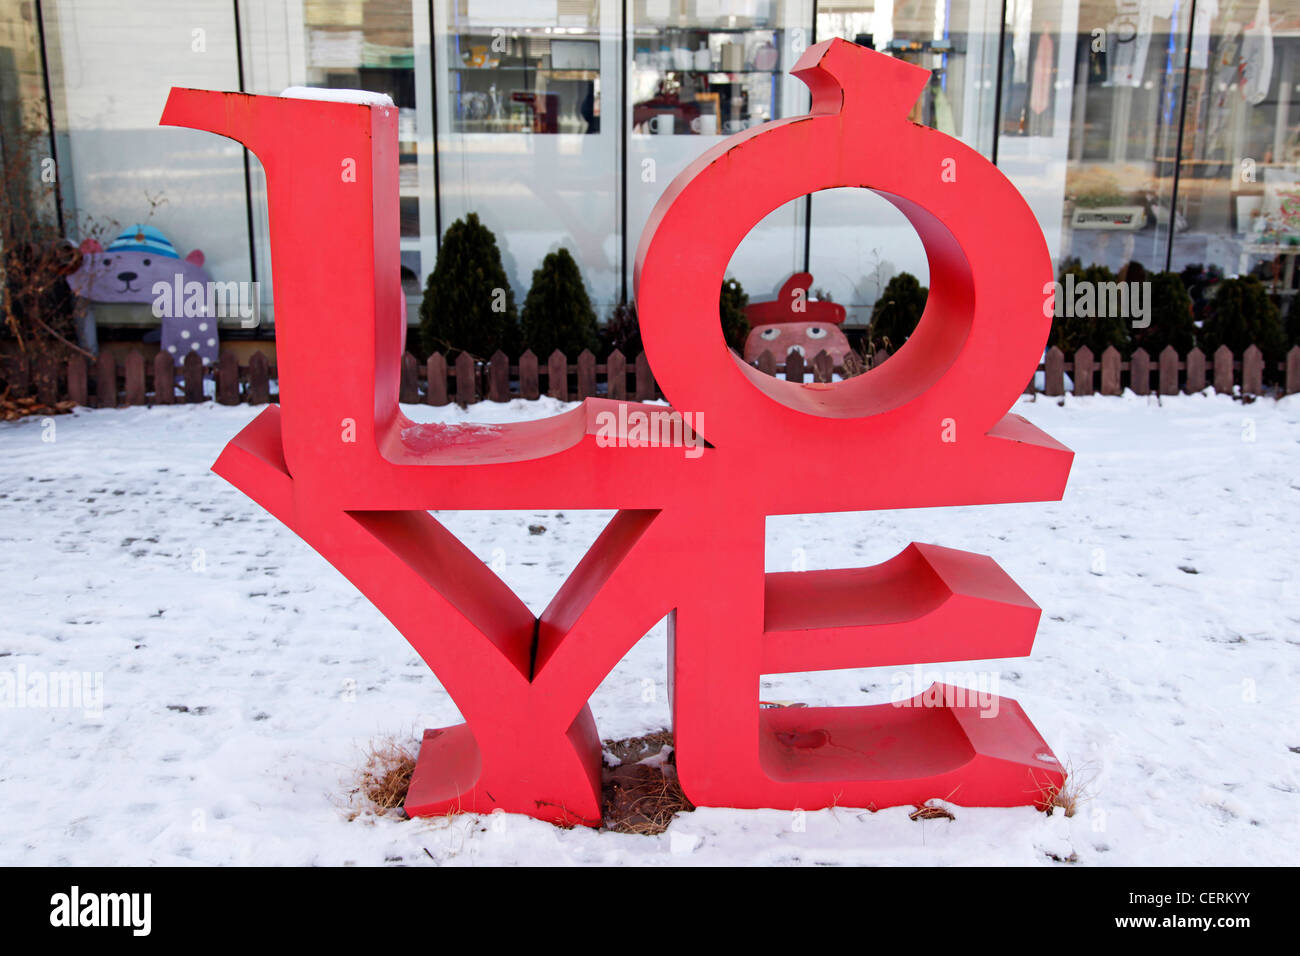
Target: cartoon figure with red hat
[{"x": 794, "y": 323}]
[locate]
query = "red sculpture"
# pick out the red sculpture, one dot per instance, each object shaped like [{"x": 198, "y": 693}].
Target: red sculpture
[
  {"x": 343, "y": 467},
  {"x": 795, "y": 323}
]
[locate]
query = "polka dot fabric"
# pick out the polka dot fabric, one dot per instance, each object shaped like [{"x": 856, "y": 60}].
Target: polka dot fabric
[{"x": 186, "y": 334}]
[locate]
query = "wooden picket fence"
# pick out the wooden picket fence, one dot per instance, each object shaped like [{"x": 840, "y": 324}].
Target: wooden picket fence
[
  {"x": 1109, "y": 376},
  {"x": 1172, "y": 374},
  {"x": 106, "y": 383}
]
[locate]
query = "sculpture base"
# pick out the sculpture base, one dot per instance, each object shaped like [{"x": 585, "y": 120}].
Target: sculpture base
[
  {"x": 450, "y": 777},
  {"x": 943, "y": 743},
  {"x": 445, "y": 774}
]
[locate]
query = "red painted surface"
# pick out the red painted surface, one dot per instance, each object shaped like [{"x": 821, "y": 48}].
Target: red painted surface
[{"x": 342, "y": 467}]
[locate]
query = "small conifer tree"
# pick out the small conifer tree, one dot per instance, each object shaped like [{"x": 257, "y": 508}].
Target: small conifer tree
[
  {"x": 731, "y": 307},
  {"x": 1078, "y": 323},
  {"x": 1293, "y": 322},
  {"x": 623, "y": 331},
  {"x": 557, "y": 311},
  {"x": 468, "y": 304},
  {"x": 1172, "y": 321},
  {"x": 896, "y": 313},
  {"x": 1240, "y": 315}
]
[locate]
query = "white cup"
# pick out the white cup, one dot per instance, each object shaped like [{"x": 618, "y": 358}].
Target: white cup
[
  {"x": 705, "y": 124},
  {"x": 662, "y": 125}
]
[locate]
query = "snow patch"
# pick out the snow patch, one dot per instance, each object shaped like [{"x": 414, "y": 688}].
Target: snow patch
[
  {"x": 363, "y": 97},
  {"x": 243, "y": 676}
]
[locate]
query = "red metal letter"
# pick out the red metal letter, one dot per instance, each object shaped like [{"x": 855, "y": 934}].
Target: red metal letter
[{"x": 342, "y": 466}]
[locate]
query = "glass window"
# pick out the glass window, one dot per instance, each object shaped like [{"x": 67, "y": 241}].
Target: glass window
[
  {"x": 1126, "y": 104},
  {"x": 524, "y": 68},
  {"x": 111, "y": 66},
  {"x": 344, "y": 44},
  {"x": 1238, "y": 184},
  {"x": 946, "y": 37},
  {"x": 524, "y": 135},
  {"x": 700, "y": 70},
  {"x": 1038, "y": 58},
  {"x": 1183, "y": 141},
  {"x": 23, "y": 118},
  {"x": 859, "y": 241},
  {"x": 705, "y": 68},
  {"x": 1160, "y": 132}
]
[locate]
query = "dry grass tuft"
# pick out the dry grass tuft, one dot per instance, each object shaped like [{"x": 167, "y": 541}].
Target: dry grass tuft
[
  {"x": 1076, "y": 792},
  {"x": 927, "y": 812},
  {"x": 638, "y": 797},
  {"x": 932, "y": 809},
  {"x": 642, "y": 799},
  {"x": 12, "y": 409},
  {"x": 386, "y": 776}
]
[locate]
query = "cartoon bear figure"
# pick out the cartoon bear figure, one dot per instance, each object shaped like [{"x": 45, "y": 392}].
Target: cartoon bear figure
[
  {"x": 794, "y": 323},
  {"x": 141, "y": 265}
]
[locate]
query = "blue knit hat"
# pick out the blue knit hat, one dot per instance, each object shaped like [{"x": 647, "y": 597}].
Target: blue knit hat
[{"x": 142, "y": 238}]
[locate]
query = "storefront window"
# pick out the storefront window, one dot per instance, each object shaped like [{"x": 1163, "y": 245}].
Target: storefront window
[
  {"x": 525, "y": 138},
  {"x": 344, "y": 44},
  {"x": 1126, "y": 106},
  {"x": 700, "y": 70},
  {"x": 111, "y": 68},
  {"x": 1219, "y": 82},
  {"x": 1238, "y": 202},
  {"x": 24, "y": 132},
  {"x": 370, "y": 46},
  {"x": 858, "y": 240},
  {"x": 1156, "y": 132},
  {"x": 1034, "y": 105},
  {"x": 539, "y": 74},
  {"x": 706, "y": 68}
]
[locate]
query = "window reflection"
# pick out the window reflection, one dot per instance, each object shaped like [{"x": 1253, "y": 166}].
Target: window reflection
[
  {"x": 520, "y": 68},
  {"x": 1158, "y": 132},
  {"x": 704, "y": 68},
  {"x": 371, "y": 47},
  {"x": 933, "y": 34},
  {"x": 1149, "y": 81},
  {"x": 1239, "y": 182}
]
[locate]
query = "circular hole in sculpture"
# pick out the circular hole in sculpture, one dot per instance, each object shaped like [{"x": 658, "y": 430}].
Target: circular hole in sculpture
[
  {"x": 868, "y": 286},
  {"x": 819, "y": 334}
]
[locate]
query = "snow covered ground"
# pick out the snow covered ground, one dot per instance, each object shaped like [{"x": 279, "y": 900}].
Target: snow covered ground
[{"x": 242, "y": 677}]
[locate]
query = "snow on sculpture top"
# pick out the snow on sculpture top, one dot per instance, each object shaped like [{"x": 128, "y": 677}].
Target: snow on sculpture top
[{"x": 328, "y": 95}]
